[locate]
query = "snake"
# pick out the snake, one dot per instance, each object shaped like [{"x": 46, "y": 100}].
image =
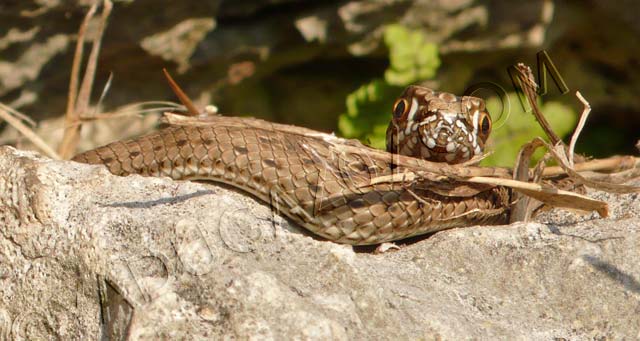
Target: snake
[{"x": 325, "y": 183}]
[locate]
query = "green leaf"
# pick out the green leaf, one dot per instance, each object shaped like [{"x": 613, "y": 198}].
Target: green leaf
[
  {"x": 513, "y": 129},
  {"x": 412, "y": 59},
  {"x": 399, "y": 78},
  {"x": 394, "y": 33}
]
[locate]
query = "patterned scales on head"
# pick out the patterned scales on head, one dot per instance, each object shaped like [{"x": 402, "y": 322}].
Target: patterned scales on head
[{"x": 438, "y": 126}]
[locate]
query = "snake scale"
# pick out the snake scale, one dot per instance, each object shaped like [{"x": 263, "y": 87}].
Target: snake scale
[{"x": 323, "y": 182}]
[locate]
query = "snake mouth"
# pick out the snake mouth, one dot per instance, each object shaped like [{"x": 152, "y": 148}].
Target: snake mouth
[
  {"x": 447, "y": 144},
  {"x": 439, "y": 149}
]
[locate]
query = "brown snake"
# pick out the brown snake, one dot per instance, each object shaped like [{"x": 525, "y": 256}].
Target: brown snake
[{"x": 323, "y": 182}]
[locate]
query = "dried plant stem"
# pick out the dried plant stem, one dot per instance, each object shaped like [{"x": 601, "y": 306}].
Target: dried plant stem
[
  {"x": 77, "y": 60},
  {"x": 615, "y": 163},
  {"x": 520, "y": 202},
  {"x": 9, "y": 114},
  {"x": 71, "y": 116},
  {"x": 583, "y": 120},
  {"x": 182, "y": 96},
  {"x": 82, "y": 105},
  {"x": 574, "y": 175},
  {"x": 529, "y": 88},
  {"x": 548, "y": 195},
  {"x": 78, "y": 101}
]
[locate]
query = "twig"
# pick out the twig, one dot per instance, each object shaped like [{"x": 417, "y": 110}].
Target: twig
[
  {"x": 520, "y": 207},
  {"x": 578, "y": 130},
  {"x": 29, "y": 121},
  {"x": 6, "y": 114},
  {"x": 186, "y": 101},
  {"x": 77, "y": 60},
  {"x": 616, "y": 178},
  {"x": 105, "y": 90},
  {"x": 549, "y": 195},
  {"x": 603, "y": 186},
  {"x": 127, "y": 110},
  {"x": 529, "y": 88},
  {"x": 78, "y": 104},
  {"x": 89, "y": 73},
  {"x": 557, "y": 148},
  {"x": 475, "y": 160},
  {"x": 71, "y": 116},
  {"x": 130, "y": 109},
  {"x": 615, "y": 163}
]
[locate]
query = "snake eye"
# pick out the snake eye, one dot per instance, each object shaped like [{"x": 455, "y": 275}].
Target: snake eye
[
  {"x": 400, "y": 107},
  {"x": 485, "y": 125}
]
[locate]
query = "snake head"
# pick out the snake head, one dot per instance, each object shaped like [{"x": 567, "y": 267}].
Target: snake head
[{"x": 438, "y": 126}]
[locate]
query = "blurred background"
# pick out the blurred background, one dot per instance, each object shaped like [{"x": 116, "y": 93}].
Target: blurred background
[{"x": 334, "y": 66}]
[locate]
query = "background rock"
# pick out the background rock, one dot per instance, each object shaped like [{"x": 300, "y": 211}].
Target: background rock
[
  {"x": 294, "y": 61},
  {"x": 158, "y": 258}
]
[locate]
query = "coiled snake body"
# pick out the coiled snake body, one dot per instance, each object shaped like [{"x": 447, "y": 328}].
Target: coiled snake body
[{"x": 324, "y": 183}]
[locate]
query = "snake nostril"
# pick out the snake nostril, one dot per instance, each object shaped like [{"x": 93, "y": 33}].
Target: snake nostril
[{"x": 442, "y": 139}]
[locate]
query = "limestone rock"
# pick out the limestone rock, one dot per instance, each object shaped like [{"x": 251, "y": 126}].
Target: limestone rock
[{"x": 85, "y": 254}]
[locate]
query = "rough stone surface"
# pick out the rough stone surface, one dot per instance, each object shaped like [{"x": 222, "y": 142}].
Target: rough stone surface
[{"x": 84, "y": 254}]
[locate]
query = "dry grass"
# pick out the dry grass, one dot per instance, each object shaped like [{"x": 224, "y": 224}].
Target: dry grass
[{"x": 78, "y": 98}]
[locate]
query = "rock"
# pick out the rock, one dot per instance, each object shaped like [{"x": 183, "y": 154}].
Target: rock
[{"x": 155, "y": 258}]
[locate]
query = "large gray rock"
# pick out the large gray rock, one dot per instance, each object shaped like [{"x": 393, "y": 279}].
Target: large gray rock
[{"x": 85, "y": 254}]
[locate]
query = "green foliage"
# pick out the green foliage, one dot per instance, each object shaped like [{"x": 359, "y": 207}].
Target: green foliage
[
  {"x": 514, "y": 128},
  {"x": 368, "y": 113},
  {"x": 412, "y": 59}
]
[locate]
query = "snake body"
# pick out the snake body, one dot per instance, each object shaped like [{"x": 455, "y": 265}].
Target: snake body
[{"x": 307, "y": 176}]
